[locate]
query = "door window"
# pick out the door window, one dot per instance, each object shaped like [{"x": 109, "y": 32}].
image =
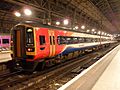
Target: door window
[{"x": 42, "y": 39}]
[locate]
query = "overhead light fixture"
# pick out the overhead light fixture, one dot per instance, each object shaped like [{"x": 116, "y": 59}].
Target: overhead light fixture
[
  {"x": 49, "y": 23},
  {"x": 82, "y": 27},
  {"x": 93, "y": 30},
  {"x": 66, "y": 22},
  {"x": 73, "y": 28},
  {"x": 102, "y": 33},
  {"x": 88, "y": 30},
  {"x": 57, "y": 23},
  {"x": 27, "y": 12},
  {"x": 17, "y": 14},
  {"x": 99, "y": 32},
  {"x": 76, "y": 27}
]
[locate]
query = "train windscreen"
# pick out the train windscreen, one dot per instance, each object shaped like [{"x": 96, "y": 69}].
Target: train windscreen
[{"x": 29, "y": 36}]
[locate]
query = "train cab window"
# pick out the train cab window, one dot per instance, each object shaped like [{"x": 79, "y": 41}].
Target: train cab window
[
  {"x": 29, "y": 36},
  {"x": 42, "y": 39},
  {"x": 5, "y": 41}
]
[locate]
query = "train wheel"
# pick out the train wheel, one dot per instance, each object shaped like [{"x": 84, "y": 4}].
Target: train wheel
[
  {"x": 70, "y": 55},
  {"x": 76, "y": 53},
  {"x": 40, "y": 66}
]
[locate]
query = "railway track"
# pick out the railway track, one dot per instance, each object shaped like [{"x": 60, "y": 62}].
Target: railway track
[
  {"x": 49, "y": 78},
  {"x": 11, "y": 81}
]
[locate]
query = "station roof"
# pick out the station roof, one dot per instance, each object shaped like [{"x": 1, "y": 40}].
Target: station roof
[{"x": 100, "y": 14}]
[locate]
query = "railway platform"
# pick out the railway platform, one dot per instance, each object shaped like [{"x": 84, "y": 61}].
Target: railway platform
[
  {"x": 5, "y": 56},
  {"x": 102, "y": 75}
]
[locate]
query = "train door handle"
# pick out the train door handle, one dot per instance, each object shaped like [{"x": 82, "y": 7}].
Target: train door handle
[{"x": 42, "y": 48}]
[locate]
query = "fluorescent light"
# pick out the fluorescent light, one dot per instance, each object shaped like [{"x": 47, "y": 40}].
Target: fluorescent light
[
  {"x": 88, "y": 30},
  {"x": 27, "y": 12},
  {"x": 66, "y": 22},
  {"x": 76, "y": 27},
  {"x": 17, "y": 14},
  {"x": 82, "y": 27},
  {"x": 93, "y": 30},
  {"x": 99, "y": 32},
  {"x": 57, "y": 23}
]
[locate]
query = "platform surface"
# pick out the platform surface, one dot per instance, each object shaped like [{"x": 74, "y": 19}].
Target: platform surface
[
  {"x": 110, "y": 79},
  {"x": 102, "y": 75},
  {"x": 5, "y": 56}
]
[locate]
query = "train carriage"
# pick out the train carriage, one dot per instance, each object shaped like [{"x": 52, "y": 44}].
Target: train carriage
[
  {"x": 4, "y": 42},
  {"x": 33, "y": 43}
]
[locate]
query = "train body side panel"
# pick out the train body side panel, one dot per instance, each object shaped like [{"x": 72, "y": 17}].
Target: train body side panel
[
  {"x": 61, "y": 47},
  {"x": 43, "y": 50}
]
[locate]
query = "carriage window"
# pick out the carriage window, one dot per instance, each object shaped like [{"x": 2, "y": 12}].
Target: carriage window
[
  {"x": 88, "y": 40},
  {"x": 61, "y": 40},
  {"x": 81, "y": 40},
  {"x": 5, "y": 41},
  {"x": 50, "y": 40},
  {"x": 68, "y": 40},
  {"x": 74, "y": 40},
  {"x": 42, "y": 39},
  {"x": 0, "y": 41}
]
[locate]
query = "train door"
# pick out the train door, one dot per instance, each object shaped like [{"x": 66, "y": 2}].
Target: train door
[
  {"x": 19, "y": 42},
  {"x": 52, "y": 43},
  {"x": 18, "y": 46}
]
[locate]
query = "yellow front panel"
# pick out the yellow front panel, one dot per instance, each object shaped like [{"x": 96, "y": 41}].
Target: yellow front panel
[{"x": 30, "y": 53}]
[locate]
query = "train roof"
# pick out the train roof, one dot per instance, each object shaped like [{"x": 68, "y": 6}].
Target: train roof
[{"x": 38, "y": 24}]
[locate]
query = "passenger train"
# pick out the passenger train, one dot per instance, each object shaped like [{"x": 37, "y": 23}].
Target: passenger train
[
  {"x": 4, "y": 42},
  {"x": 33, "y": 43}
]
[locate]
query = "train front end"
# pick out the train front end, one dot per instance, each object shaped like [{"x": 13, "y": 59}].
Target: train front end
[{"x": 23, "y": 46}]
